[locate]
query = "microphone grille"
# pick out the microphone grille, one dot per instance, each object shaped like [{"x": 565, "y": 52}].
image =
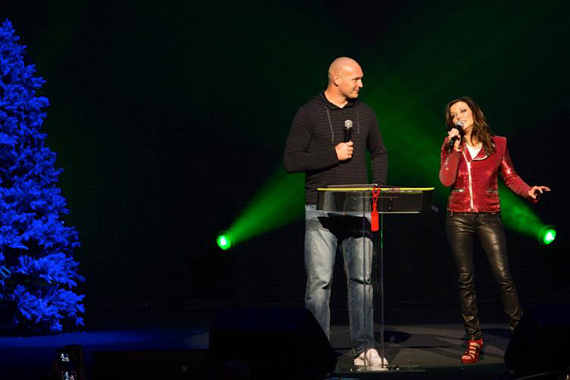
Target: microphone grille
[
  {"x": 460, "y": 123},
  {"x": 348, "y": 124}
]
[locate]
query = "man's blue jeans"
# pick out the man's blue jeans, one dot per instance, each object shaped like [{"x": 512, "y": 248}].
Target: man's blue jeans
[{"x": 323, "y": 232}]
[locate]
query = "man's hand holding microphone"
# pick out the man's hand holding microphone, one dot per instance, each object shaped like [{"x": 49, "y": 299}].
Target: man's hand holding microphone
[{"x": 345, "y": 149}]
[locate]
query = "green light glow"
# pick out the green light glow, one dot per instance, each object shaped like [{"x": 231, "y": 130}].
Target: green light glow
[
  {"x": 547, "y": 235},
  {"x": 225, "y": 241}
]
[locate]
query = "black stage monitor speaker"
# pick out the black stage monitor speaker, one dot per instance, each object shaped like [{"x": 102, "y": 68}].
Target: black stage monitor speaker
[
  {"x": 539, "y": 343},
  {"x": 151, "y": 365},
  {"x": 277, "y": 343}
]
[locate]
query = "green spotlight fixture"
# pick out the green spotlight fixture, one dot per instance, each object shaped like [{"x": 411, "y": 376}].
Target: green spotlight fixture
[
  {"x": 547, "y": 235},
  {"x": 224, "y": 241}
]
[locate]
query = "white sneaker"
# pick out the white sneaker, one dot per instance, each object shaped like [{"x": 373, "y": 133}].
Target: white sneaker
[{"x": 370, "y": 358}]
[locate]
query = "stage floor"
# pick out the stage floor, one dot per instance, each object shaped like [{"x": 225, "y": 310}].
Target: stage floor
[
  {"x": 428, "y": 352},
  {"x": 414, "y": 351}
]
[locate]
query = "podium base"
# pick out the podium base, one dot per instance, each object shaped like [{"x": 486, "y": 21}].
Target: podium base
[{"x": 350, "y": 371}]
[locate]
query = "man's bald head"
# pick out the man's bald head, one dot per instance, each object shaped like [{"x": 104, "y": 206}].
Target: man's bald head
[
  {"x": 341, "y": 65},
  {"x": 345, "y": 79}
]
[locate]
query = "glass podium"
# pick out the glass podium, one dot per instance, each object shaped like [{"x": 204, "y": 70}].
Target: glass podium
[{"x": 371, "y": 202}]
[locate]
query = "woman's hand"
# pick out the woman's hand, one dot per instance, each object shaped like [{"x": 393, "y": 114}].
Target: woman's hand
[
  {"x": 536, "y": 191},
  {"x": 455, "y": 133}
]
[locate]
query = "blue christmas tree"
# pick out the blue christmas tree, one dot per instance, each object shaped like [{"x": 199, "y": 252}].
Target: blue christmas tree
[{"x": 37, "y": 270}]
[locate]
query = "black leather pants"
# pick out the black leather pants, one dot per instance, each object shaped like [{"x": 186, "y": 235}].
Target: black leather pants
[{"x": 461, "y": 228}]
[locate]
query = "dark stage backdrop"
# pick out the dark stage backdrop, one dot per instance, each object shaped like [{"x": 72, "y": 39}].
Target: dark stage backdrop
[{"x": 168, "y": 116}]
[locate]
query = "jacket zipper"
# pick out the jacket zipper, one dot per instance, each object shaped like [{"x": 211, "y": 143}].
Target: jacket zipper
[{"x": 470, "y": 182}]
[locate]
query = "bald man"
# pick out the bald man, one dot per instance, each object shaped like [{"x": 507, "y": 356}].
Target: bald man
[{"x": 316, "y": 147}]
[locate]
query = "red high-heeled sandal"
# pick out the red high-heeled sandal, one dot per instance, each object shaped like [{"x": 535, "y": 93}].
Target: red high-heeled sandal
[{"x": 471, "y": 354}]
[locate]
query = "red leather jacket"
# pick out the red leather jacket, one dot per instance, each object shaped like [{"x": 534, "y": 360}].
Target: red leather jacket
[{"x": 474, "y": 181}]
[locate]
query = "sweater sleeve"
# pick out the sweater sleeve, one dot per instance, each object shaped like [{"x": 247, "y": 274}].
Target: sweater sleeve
[
  {"x": 297, "y": 158},
  {"x": 449, "y": 164},
  {"x": 511, "y": 178},
  {"x": 378, "y": 154}
]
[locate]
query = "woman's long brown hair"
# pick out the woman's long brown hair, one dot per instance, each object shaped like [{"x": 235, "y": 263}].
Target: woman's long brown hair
[{"x": 481, "y": 131}]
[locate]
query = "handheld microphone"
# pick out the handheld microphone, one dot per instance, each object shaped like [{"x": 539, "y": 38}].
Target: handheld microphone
[
  {"x": 347, "y": 130},
  {"x": 459, "y": 127}
]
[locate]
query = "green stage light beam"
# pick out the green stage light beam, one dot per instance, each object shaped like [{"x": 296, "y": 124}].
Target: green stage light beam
[
  {"x": 517, "y": 215},
  {"x": 278, "y": 203}
]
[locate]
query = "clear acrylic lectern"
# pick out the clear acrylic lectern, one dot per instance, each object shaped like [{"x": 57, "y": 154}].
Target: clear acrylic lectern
[{"x": 371, "y": 203}]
